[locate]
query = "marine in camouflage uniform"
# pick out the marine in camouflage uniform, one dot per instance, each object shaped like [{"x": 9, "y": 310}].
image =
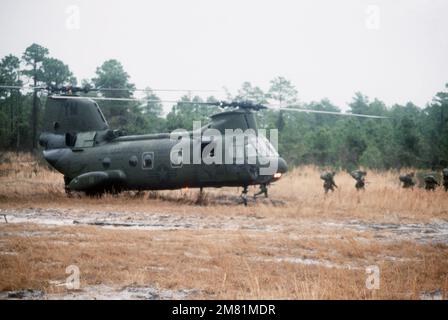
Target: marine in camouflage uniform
[
  {"x": 359, "y": 176},
  {"x": 263, "y": 190},
  {"x": 408, "y": 180},
  {"x": 329, "y": 183},
  {"x": 430, "y": 182},
  {"x": 445, "y": 178}
]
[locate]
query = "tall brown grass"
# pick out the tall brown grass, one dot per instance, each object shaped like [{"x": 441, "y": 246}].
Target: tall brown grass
[
  {"x": 230, "y": 264},
  {"x": 25, "y": 182}
]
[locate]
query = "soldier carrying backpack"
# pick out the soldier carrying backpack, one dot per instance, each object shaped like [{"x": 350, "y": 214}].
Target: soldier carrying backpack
[{"x": 329, "y": 183}]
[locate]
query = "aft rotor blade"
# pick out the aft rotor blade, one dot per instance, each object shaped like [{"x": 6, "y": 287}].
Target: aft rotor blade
[
  {"x": 331, "y": 112},
  {"x": 123, "y": 99},
  {"x": 113, "y": 89},
  {"x": 141, "y": 100},
  {"x": 94, "y": 98}
]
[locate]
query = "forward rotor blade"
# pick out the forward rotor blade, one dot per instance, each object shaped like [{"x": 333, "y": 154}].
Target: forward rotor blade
[
  {"x": 20, "y": 87},
  {"x": 331, "y": 112}
]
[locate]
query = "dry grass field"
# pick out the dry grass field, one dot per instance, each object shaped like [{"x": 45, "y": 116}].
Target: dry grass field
[{"x": 302, "y": 244}]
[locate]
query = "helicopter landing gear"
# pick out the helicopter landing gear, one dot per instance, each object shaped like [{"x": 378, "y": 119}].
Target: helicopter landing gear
[
  {"x": 244, "y": 196},
  {"x": 202, "y": 197},
  {"x": 263, "y": 190}
]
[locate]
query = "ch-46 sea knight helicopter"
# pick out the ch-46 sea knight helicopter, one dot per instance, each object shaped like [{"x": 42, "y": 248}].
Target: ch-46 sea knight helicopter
[{"x": 94, "y": 158}]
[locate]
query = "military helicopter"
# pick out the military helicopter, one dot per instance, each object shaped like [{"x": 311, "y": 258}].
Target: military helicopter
[{"x": 95, "y": 158}]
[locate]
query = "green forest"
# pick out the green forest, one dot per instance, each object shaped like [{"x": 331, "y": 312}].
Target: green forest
[{"x": 412, "y": 136}]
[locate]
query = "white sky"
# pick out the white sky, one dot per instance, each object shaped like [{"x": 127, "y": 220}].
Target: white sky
[{"x": 326, "y": 48}]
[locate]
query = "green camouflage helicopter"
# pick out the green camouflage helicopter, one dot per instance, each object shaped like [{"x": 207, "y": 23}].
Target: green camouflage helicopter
[{"x": 94, "y": 158}]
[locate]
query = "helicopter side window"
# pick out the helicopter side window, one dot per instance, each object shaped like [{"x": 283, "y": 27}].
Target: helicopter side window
[
  {"x": 212, "y": 151},
  {"x": 133, "y": 161},
  {"x": 177, "y": 156},
  {"x": 148, "y": 160}
]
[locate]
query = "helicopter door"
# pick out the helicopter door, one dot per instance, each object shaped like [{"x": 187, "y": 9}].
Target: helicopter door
[{"x": 215, "y": 172}]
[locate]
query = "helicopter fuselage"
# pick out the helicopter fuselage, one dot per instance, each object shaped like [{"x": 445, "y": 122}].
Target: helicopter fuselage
[
  {"x": 93, "y": 158},
  {"x": 146, "y": 163}
]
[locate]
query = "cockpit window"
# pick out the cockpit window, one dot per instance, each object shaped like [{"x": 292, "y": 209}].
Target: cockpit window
[{"x": 262, "y": 146}]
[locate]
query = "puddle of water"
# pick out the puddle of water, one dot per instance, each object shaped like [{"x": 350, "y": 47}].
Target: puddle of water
[
  {"x": 39, "y": 220},
  {"x": 126, "y": 220},
  {"x": 103, "y": 292},
  {"x": 8, "y": 253},
  {"x": 28, "y": 294}
]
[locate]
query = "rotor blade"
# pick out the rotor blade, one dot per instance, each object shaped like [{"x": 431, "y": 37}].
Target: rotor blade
[
  {"x": 155, "y": 90},
  {"x": 114, "y": 89},
  {"x": 124, "y": 99},
  {"x": 94, "y": 98},
  {"x": 20, "y": 87},
  {"x": 11, "y": 87},
  {"x": 331, "y": 112}
]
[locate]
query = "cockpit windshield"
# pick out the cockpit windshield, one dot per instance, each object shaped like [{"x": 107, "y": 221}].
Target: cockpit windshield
[{"x": 261, "y": 147}]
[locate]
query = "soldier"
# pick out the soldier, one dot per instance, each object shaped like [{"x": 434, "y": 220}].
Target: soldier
[
  {"x": 329, "y": 183},
  {"x": 445, "y": 179},
  {"x": 359, "y": 176},
  {"x": 263, "y": 190},
  {"x": 430, "y": 182},
  {"x": 408, "y": 180}
]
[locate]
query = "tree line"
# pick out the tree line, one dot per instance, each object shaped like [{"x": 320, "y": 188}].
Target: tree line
[{"x": 411, "y": 137}]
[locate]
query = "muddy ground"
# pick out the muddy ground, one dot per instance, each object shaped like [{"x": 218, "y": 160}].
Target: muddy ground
[
  {"x": 304, "y": 242},
  {"x": 298, "y": 244}
]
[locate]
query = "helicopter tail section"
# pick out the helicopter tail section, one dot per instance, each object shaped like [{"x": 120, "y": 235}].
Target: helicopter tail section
[{"x": 69, "y": 115}]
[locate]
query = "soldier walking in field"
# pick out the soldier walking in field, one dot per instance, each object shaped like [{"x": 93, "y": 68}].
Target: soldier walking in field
[
  {"x": 408, "y": 180},
  {"x": 329, "y": 183},
  {"x": 359, "y": 176},
  {"x": 263, "y": 190},
  {"x": 430, "y": 182},
  {"x": 445, "y": 179}
]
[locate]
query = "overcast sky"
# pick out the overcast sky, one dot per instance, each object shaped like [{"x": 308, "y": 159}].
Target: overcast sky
[{"x": 395, "y": 50}]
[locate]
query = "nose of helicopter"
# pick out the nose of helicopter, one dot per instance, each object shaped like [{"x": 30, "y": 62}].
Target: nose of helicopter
[
  {"x": 282, "y": 167},
  {"x": 53, "y": 156}
]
